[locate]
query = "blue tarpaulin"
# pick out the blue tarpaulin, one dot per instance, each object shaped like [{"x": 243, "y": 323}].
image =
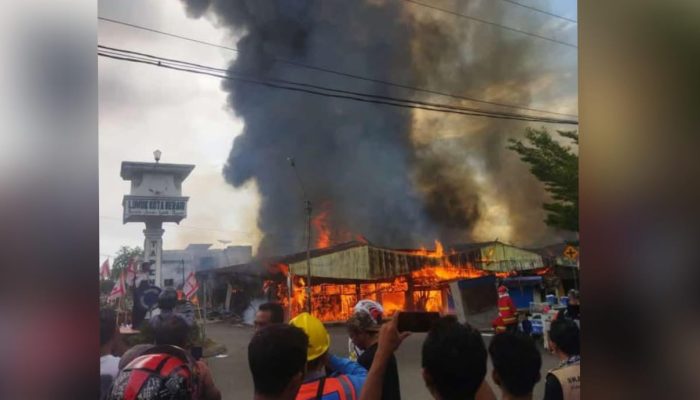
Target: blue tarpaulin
[{"x": 522, "y": 289}]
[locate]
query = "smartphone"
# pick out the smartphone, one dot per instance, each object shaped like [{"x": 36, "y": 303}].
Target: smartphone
[{"x": 417, "y": 321}]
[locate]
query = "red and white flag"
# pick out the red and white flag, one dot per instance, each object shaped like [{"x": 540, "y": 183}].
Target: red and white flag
[
  {"x": 119, "y": 288},
  {"x": 130, "y": 273},
  {"x": 191, "y": 286},
  {"x": 104, "y": 269}
]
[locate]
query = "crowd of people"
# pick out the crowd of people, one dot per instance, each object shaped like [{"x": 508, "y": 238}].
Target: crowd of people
[
  {"x": 166, "y": 368},
  {"x": 292, "y": 360}
]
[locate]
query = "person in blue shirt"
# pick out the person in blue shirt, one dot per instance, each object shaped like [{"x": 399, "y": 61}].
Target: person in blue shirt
[
  {"x": 525, "y": 324},
  {"x": 327, "y": 377}
]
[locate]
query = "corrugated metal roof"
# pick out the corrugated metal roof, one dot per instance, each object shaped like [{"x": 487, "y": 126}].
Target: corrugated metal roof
[
  {"x": 553, "y": 250},
  {"x": 253, "y": 268},
  {"x": 293, "y": 258},
  {"x": 497, "y": 256},
  {"x": 375, "y": 263},
  {"x": 554, "y": 255}
]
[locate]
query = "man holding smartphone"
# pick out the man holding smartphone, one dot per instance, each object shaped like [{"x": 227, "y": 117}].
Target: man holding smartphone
[
  {"x": 453, "y": 359},
  {"x": 363, "y": 329}
]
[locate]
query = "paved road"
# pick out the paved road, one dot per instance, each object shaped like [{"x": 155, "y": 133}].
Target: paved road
[{"x": 233, "y": 378}]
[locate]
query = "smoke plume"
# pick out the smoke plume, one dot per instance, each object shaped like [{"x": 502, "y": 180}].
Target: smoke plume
[{"x": 399, "y": 177}]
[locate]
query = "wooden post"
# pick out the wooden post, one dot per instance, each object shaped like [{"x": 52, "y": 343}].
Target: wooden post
[
  {"x": 444, "y": 297},
  {"x": 227, "y": 304},
  {"x": 460, "y": 308},
  {"x": 410, "y": 304}
]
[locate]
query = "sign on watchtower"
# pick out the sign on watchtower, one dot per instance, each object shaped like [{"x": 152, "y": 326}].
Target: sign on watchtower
[{"x": 155, "y": 197}]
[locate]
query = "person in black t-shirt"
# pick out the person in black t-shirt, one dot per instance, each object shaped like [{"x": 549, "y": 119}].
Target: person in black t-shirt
[
  {"x": 363, "y": 331},
  {"x": 573, "y": 307}
]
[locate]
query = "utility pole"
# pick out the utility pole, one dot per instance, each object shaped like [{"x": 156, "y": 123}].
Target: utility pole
[
  {"x": 308, "y": 210},
  {"x": 308, "y": 255}
]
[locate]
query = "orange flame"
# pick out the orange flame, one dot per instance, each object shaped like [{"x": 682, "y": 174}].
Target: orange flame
[
  {"x": 323, "y": 235},
  {"x": 448, "y": 273},
  {"x": 543, "y": 271},
  {"x": 335, "y": 302},
  {"x": 428, "y": 300},
  {"x": 278, "y": 268},
  {"x": 439, "y": 251},
  {"x": 505, "y": 274}
]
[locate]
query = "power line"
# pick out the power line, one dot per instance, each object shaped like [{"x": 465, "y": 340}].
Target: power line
[
  {"x": 145, "y": 28},
  {"x": 343, "y": 74},
  {"x": 398, "y": 102},
  {"x": 542, "y": 11},
  {"x": 483, "y": 21},
  {"x": 287, "y": 82},
  {"x": 126, "y": 55},
  {"x": 363, "y": 97}
]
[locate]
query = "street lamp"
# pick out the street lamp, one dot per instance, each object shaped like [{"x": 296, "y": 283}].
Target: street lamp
[
  {"x": 156, "y": 155},
  {"x": 307, "y": 202}
]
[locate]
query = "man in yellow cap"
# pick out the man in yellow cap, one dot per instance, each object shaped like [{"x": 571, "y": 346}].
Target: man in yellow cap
[{"x": 347, "y": 377}]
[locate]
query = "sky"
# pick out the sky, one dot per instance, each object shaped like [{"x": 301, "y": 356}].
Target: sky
[{"x": 143, "y": 108}]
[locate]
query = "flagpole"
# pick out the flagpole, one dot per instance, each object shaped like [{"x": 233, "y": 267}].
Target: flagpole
[
  {"x": 204, "y": 320},
  {"x": 120, "y": 305}
]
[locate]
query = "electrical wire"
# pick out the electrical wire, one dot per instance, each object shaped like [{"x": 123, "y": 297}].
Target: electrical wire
[
  {"x": 340, "y": 73},
  {"x": 147, "y": 57},
  {"x": 494, "y": 24},
  {"x": 268, "y": 84},
  {"x": 541, "y": 11},
  {"x": 131, "y": 56}
]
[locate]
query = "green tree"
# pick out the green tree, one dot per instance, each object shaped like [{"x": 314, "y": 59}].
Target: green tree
[
  {"x": 556, "y": 166},
  {"x": 124, "y": 254}
]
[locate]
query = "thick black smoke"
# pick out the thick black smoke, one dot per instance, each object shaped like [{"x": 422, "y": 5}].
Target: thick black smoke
[
  {"x": 487, "y": 63},
  {"x": 365, "y": 159}
]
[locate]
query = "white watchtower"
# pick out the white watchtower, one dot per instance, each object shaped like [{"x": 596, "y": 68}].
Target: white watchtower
[{"x": 155, "y": 197}]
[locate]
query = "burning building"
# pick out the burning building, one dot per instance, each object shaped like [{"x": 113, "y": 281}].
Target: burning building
[
  {"x": 563, "y": 258},
  {"x": 398, "y": 176},
  {"x": 400, "y": 279}
]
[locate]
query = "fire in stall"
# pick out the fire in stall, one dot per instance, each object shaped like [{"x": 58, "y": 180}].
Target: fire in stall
[{"x": 332, "y": 302}]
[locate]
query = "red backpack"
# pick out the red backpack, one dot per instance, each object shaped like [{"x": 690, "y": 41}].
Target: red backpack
[{"x": 160, "y": 372}]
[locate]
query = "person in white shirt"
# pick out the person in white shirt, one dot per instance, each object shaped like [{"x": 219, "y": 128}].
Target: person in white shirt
[{"x": 108, "y": 335}]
